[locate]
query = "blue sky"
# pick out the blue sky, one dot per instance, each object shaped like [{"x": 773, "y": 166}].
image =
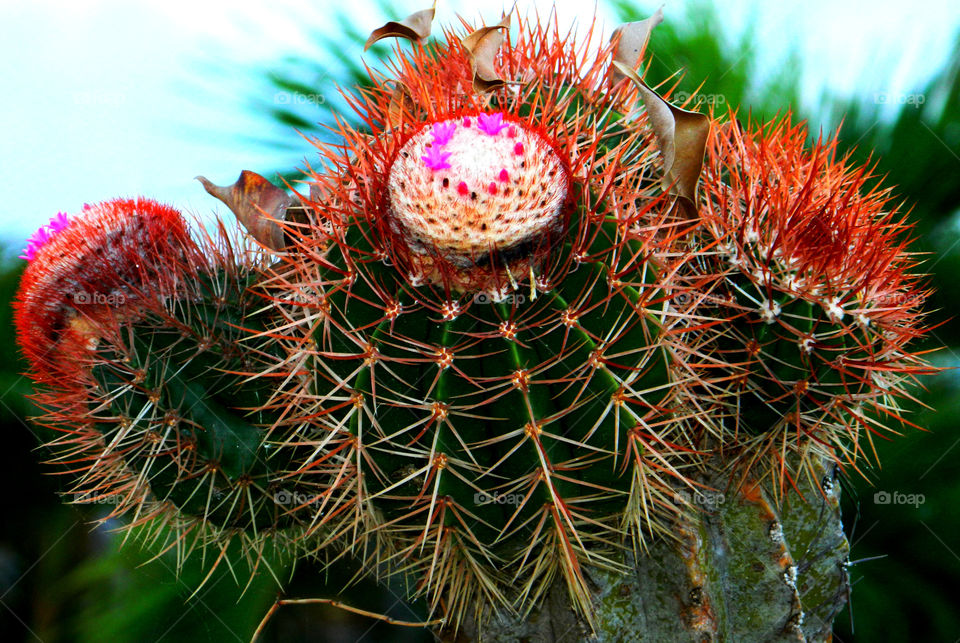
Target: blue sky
[{"x": 109, "y": 98}]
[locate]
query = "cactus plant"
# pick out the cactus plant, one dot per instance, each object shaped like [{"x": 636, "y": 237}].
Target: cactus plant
[
  {"x": 501, "y": 348},
  {"x": 139, "y": 337},
  {"x": 812, "y": 264}
]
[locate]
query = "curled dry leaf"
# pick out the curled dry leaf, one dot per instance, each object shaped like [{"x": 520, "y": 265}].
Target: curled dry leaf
[
  {"x": 630, "y": 41},
  {"x": 415, "y": 27},
  {"x": 258, "y": 204},
  {"x": 681, "y": 137},
  {"x": 483, "y": 45}
]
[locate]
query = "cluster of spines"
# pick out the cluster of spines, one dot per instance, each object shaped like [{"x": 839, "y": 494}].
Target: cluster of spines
[
  {"x": 557, "y": 99},
  {"x": 431, "y": 409},
  {"x": 799, "y": 308},
  {"x": 156, "y": 388},
  {"x": 419, "y": 422},
  {"x": 90, "y": 267}
]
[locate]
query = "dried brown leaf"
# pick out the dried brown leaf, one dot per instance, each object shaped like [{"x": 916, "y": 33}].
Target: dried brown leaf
[
  {"x": 402, "y": 106},
  {"x": 415, "y": 27},
  {"x": 483, "y": 45},
  {"x": 681, "y": 137},
  {"x": 630, "y": 41},
  {"x": 256, "y": 202}
]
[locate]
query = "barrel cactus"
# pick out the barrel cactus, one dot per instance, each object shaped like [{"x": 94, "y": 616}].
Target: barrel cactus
[{"x": 499, "y": 345}]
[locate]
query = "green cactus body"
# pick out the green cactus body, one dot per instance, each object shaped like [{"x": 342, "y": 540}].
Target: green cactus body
[
  {"x": 809, "y": 264},
  {"x": 498, "y": 432},
  {"x": 791, "y": 363},
  {"x": 165, "y": 409},
  {"x": 183, "y": 392},
  {"x": 738, "y": 568}
]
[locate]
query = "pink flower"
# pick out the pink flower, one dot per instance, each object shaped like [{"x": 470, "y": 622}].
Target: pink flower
[
  {"x": 443, "y": 132},
  {"x": 491, "y": 124},
  {"x": 36, "y": 241},
  {"x": 435, "y": 159},
  {"x": 29, "y": 253},
  {"x": 43, "y": 235},
  {"x": 59, "y": 222}
]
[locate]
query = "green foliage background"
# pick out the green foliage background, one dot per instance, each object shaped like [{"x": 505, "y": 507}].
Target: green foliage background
[{"x": 61, "y": 580}]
